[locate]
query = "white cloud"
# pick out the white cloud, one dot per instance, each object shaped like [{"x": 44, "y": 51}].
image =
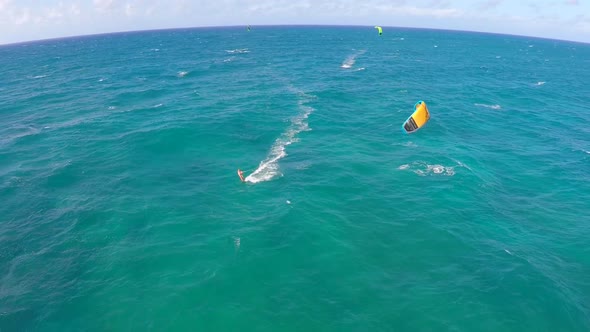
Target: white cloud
[
  {"x": 489, "y": 4},
  {"x": 74, "y": 9},
  {"x": 4, "y": 4},
  {"x": 53, "y": 14},
  {"x": 421, "y": 12},
  {"x": 104, "y": 5},
  {"x": 129, "y": 9},
  {"x": 23, "y": 17}
]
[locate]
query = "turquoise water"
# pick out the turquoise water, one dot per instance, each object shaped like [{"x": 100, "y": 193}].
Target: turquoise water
[{"x": 122, "y": 210}]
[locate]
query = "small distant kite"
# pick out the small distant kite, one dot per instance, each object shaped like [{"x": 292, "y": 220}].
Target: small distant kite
[
  {"x": 418, "y": 119},
  {"x": 379, "y": 29}
]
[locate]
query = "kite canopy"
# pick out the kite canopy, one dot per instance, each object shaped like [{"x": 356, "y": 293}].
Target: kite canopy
[
  {"x": 379, "y": 29},
  {"x": 418, "y": 119}
]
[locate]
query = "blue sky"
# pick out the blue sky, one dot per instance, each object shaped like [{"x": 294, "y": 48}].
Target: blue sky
[{"x": 23, "y": 20}]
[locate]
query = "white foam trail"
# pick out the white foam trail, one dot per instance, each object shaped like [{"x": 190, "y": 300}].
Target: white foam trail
[
  {"x": 158, "y": 105},
  {"x": 350, "y": 60},
  {"x": 424, "y": 169},
  {"x": 39, "y": 76},
  {"x": 494, "y": 107},
  {"x": 269, "y": 167},
  {"x": 239, "y": 50}
]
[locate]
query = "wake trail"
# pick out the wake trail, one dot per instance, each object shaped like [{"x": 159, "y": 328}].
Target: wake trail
[
  {"x": 351, "y": 59},
  {"x": 269, "y": 167}
]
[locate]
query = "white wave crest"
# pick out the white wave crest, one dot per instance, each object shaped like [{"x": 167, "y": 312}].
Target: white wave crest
[
  {"x": 425, "y": 169},
  {"x": 351, "y": 59},
  {"x": 239, "y": 51},
  {"x": 494, "y": 107},
  {"x": 541, "y": 83},
  {"x": 182, "y": 73},
  {"x": 269, "y": 167}
]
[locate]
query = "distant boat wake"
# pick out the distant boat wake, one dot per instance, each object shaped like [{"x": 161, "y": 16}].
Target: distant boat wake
[
  {"x": 269, "y": 167},
  {"x": 350, "y": 60}
]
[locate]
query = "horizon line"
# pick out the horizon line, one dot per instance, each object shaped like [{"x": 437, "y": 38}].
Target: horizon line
[{"x": 284, "y": 25}]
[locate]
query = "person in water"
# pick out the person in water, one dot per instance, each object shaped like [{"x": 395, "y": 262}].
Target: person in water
[{"x": 241, "y": 174}]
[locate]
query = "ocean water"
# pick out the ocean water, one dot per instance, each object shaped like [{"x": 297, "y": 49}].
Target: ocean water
[{"x": 121, "y": 209}]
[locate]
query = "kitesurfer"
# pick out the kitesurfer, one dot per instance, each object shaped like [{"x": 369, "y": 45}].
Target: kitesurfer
[{"x": 241, "y": 174}]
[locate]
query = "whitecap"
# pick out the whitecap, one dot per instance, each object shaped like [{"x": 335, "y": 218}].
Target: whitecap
[
  {"x": 158, "y": 105},
  {"x": 541, "y": 83},
  {"x": 424, "y": 169},
  {"x": 239, "y": 51},
  {"x": 494, "y": 107},
  {"x": 351, "y": 60},
  {"x": 182, "y": 73},
  {"x": 436, "y": 169},
  {"x": 112, "y": 107}
]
